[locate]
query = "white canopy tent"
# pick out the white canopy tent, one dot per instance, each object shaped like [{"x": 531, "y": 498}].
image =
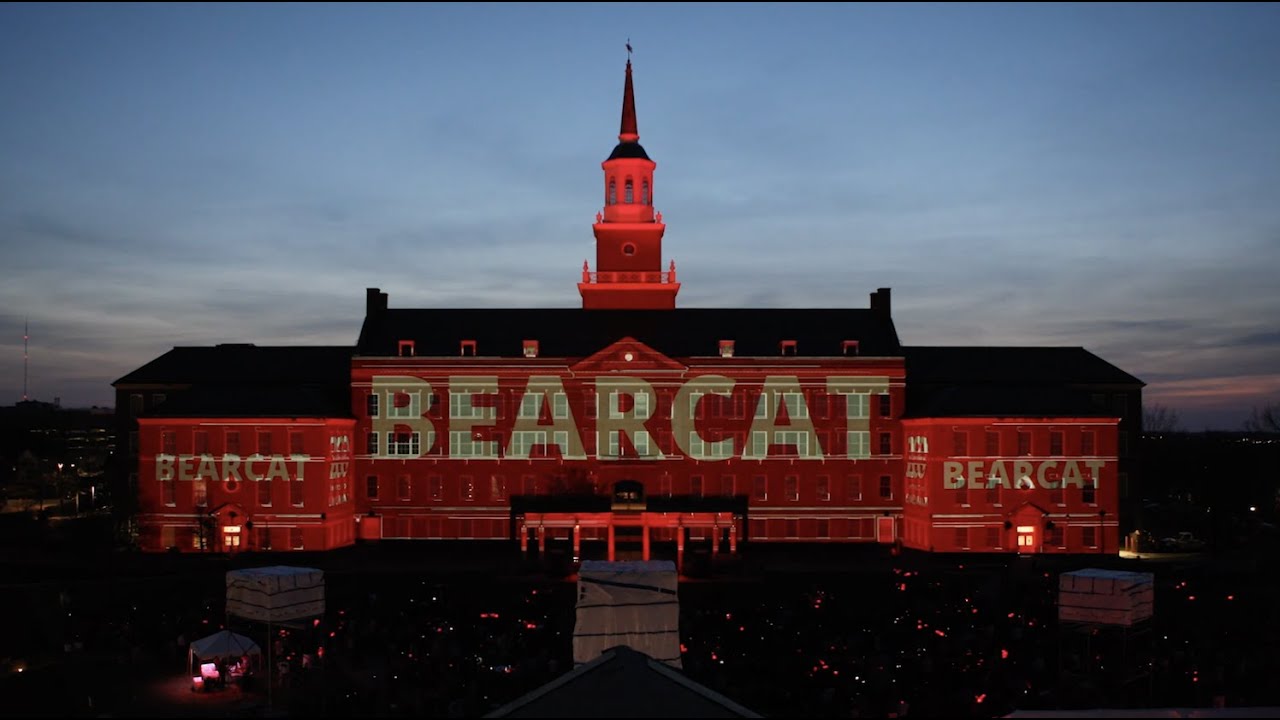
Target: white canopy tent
[
  {"x": 275, "y": 594},
  {"x": 223, "y": 644},
  {"x": 628, "y": 603}
]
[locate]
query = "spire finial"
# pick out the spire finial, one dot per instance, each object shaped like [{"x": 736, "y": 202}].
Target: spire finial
[{"x": 628, "y": 132}]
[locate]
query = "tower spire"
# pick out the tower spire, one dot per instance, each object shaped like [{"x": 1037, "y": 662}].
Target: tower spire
[{"x": 628, "y": 132}]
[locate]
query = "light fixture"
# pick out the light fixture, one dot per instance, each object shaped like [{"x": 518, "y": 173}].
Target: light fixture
[{"x": 628, "y": 357}]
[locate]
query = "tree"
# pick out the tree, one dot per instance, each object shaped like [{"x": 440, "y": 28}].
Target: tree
[
  {"x": 1159, "y": 419},
  {"x": 1264, "y": 419}
]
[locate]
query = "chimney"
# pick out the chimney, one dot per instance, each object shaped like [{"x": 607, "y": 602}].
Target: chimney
[
  {"x": 375, "y": 304},
  {"x": 880, "y": 302}
]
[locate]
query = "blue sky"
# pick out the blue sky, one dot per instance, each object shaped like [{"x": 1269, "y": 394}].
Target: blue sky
[{"x": 1096, "y": 175}]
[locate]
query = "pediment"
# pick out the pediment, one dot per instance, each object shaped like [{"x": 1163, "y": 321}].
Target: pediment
[{"x": 627, "y": 355}]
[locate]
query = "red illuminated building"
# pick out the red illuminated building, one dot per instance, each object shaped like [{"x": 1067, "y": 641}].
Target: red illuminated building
[{"x": 630, "y": 427}]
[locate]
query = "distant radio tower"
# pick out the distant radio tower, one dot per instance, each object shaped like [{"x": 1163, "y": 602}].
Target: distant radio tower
[{"x": 25, "y": 336}]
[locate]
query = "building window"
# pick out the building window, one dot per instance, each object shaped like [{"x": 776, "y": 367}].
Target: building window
[
  {"x": 664, "y": 484},
  {"x": 993, "y": 537},
  {"x": 853, "y": 487},
  {"x": 695, "y": 485},
  {"x": 960, "y": 444},
  {"x": 856, "y": 406},
  {"x": 1124, "y": 444},
  {"x": 1055, "y": 536},
  {"x": 297, "y": 443},
  {"x": 886, "y": 487},
  {"x": 761, "y": 488},
  {"x": 849, "y": 347},
  {"x": 1124, "y": 485},
  {"x": 403, "y": 443},
  {"x": 560, "y": 406},
  {"x": 405, "y": 348},
  {"x": 788, "y": 347},
  {"x": 726, "y": 348},
  {"x": 726, "y": 485},
  {"x": 371, "y": 405},
  {"x": 886, "y": 405},
  {"x": 371, "y": 487},
  {"x": 793, "y": 488},
  {"x": 468, "y": 487},
  {"x": 200, "y": 442},
  {"x": 264, "y": 492},
  {"x": 1055, "y": 443},
  {"x": 993, "y": 494},
  {"x": 404, "y": 488},
  {"x": 644, "y": 192},
  {"x": 200, "y": 492},
  {"x": 531, "y": 348},
  {"x": 264, "y": 443},
  {"x": 136, "y": 404},
  {"x": 993, "y": 443},
  {"x": 1089, "y": 493},
  {"x": 157, "y": 399},
  {"x": 796, "y": 406},
  {"x": 1057, "y": 495},
  {"x": 1024, "y": 442},
  {"x": 170, "y": 493},
  {"x": 962, "y": 495},
  {"x": 824, "y": 488},
  {"x": 498, "y": 487},
  {"x": 232, "y": 442},
  {"x": 169, "y": 442},
  {"x": 1087, "y": 442},
  {"x": 962, "y": 538},
  {"x": 1090, "y": 536},
  {"x": 371, "y": 443},
  {"x": 628, "y": 197},
  {"x": 824, "y": 528},
  {"x": 886, "y": 443},
  {"x": 295, "y": 539},
  {"x": 295, "y": 492},
  {"x": 133, "y": 443},
  {"x": 435, "y": 486},
  {"x": 1121, "y": 404},
  {"x": 613, "y": 192}
]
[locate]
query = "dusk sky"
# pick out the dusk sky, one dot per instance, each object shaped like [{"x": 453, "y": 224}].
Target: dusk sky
[{"x": 1097, "y": 175}]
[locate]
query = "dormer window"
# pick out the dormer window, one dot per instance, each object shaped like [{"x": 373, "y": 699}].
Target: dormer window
[
  {"x": 468, "y": 348},
  {"x": 788, "y": 347},
  {"x": 531, "y": 348},
  {"x": 849, "y": 347},
  {"x": 406, "y": 348},
  {"x": 726, "y": 348},
  {"x": 629, "y": 197}
]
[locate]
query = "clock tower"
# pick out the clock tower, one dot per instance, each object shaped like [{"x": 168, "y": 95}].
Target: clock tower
[{"x": 629, "y": 272}]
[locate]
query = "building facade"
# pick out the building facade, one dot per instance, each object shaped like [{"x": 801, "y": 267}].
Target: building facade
[{"x": 629, "y": 426}]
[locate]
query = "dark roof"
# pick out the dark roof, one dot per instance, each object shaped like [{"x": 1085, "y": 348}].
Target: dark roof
[
  {"x": 1000, "y": 401},
  {"x": 577, "y": 333},
  {"x": 246, "y": 364},
  {"x": 1011, "y": 366},
  {"x": 628, "y": 150},
  {"x": 260, "y": 401},
  {"x": 623, "y": 683}
]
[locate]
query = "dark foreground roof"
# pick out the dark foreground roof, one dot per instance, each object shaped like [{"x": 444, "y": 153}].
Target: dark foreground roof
[
  {"x": 682, "y": 332},
  {"x": 623, "y": 683},
  {"x": 253, "y": 401},
  {"x": 1000, "y": 401}
]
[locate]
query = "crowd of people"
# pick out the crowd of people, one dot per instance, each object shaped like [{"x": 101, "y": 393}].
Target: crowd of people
[{"x": 915, "y": 636}]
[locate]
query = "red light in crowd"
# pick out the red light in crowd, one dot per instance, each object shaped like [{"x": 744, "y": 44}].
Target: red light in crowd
[{"x": 1004, "y": 654}]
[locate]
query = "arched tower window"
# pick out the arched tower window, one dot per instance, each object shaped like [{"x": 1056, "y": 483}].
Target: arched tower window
[
  {"x": 644, "y": 192},
  {"x": 613, "y": 192},
  {"x": 629, "y": 198}
]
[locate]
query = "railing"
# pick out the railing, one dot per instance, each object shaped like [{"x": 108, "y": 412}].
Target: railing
[{"x": 628, "y": 277}]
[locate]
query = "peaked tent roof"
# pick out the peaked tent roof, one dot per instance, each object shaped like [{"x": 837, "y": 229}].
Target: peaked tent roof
[{"x": 224, "y": 644}]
